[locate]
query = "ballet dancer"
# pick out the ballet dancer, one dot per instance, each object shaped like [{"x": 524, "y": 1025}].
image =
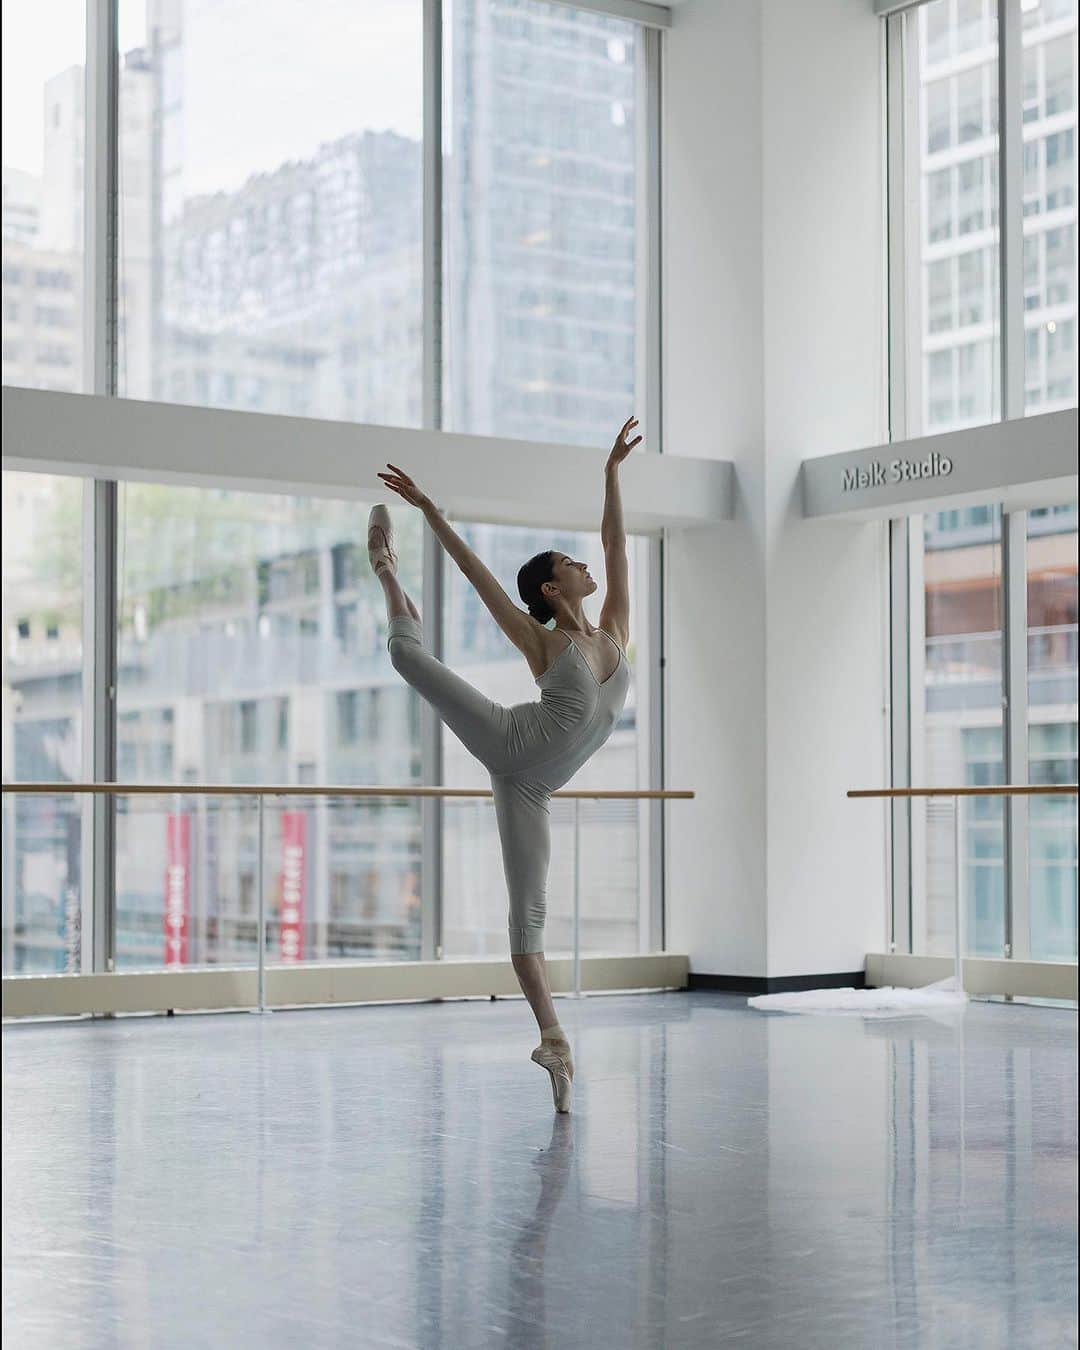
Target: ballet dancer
[{"x": 531, "y": 749}]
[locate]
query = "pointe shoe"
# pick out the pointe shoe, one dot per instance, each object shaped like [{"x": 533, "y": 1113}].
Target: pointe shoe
[
  {"x": 559, "y": 1064},
  {"x": 380, "y": 540}
]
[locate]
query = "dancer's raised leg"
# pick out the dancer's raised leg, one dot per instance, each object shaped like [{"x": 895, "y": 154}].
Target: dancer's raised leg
[
  {"x": 398, "y": 601},
  {"x": 383, "y": 560},
  {"x": 483, "y": 727}
]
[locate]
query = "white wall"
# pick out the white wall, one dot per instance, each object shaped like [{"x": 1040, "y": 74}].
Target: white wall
[
  {"x": 825, "y": 388},
  {"x": 774, "y": 351},
  {"x": 714, "y": 577}
]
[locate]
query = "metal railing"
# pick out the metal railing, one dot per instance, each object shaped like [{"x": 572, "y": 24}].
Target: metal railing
[
  {"x": 577, "y": 795},
  {"x": 958, "y": 794}
]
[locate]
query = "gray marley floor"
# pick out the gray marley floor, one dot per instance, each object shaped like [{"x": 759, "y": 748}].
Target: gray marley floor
[{"x": 394, "y": 1176}]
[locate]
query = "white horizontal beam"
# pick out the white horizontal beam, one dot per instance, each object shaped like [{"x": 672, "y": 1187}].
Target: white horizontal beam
[
  {"x": 1025, "y": 463},
  {"x": 982, "y": 975},
  {"x": 218, "y": 987},
  {"x": 476, "y": 478},
  {"x": 637, "y": 11}
]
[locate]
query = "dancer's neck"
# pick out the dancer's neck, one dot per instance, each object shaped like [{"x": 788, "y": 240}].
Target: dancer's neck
[{"x": 578, "y": 625}]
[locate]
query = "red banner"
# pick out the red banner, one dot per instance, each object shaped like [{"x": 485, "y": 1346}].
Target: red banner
[
  {"x": 177, "y": 888},
  {"x": 293, "y": 865}
]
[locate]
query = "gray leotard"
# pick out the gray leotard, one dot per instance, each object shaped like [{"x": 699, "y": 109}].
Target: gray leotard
[{"x": 530, "y": 750}]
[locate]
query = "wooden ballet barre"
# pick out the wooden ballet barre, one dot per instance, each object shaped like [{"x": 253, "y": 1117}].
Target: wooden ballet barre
[
  {"x": 1007, "y": 790},
  {"x": 313, "y": 790}
]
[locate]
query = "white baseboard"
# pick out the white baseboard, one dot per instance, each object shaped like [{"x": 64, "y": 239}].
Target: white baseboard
[
  {"x": 982, "y": 975},
  {"x": 217, "y": 988}
]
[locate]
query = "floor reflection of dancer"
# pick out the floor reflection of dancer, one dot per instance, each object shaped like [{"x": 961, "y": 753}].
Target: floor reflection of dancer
[
  {"x": 526, "y": 1299},
  {"x": 530, "y": 749}
]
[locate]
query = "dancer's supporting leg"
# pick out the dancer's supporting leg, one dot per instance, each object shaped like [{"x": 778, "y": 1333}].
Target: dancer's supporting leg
[
  {"x": 553, "y": 1053},
  {"x": 531, "y": 970},
  {"x": 523, "y": 814},
  {"x": 523, "y": 811}
]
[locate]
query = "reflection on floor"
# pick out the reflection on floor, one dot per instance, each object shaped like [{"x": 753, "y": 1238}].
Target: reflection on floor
[{"x": 394, "y": 1176}]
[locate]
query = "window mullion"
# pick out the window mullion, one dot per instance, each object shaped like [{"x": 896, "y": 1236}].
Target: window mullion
[
  {"x": 905, "y": 395},
  {"x": 651, "y": 817},
  {"x": 100, "y": 219},
  {"x": 900, "y": 937},
  {"x": 915, "y": 612},
  {"x": 896, "y": 136},
  {"x": 1010, "y": 206},
  {"x": 1015, "y": 709},
  {"x": 648, "y": 224},
  {"x": 432, "y": 813},
  {"x": 1011, "y": 320},
  {"x": 432, "y": 809},
  {"x": 99, "y": 723},
  {"x": 100, "y": 201},
  {"x": 433, "y": 216}
]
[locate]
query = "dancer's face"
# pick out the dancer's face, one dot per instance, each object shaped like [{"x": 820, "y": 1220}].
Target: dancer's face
[{"x": 572, "y": 580}]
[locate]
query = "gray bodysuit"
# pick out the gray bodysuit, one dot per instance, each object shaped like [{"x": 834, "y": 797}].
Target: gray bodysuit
[{"x": 530, "y": 750}]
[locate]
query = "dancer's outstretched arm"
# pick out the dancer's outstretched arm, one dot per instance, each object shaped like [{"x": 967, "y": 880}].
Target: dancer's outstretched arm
[
  {"x": 518, "y": 624},
  {"x": 615, "y": 615}
]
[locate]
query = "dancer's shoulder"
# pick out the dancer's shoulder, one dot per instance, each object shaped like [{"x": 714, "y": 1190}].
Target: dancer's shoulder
[{"x": 549, "y": 645}]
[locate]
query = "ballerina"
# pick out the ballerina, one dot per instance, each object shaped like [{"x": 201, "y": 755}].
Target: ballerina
[{"x": 531, "y": 749}]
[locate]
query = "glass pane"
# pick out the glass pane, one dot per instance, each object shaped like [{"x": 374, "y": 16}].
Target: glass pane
[
  {"x": 541, "y": 186},
  {"x": 1052, "y": 704},
  {"x": 1050, "y": 194},
  {"x": 44, "y": 98},
  {"x": 271, "y": 184},
  {"x": 42, "y": 721},
  {"x": 253, "y": 650},
  {"x": 970, "y": 24},
  {"x": 953, "y": 249},
  {"x": 614, "y": 834},
  {"x": 957, "y": 734}
]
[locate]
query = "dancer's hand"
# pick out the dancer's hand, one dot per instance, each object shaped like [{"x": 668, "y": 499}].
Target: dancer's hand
[
  {"x": 404, "y": 486},
  {"x": 622, "y": 446}
]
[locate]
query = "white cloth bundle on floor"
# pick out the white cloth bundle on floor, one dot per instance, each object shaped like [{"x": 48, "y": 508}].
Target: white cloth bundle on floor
[{"x": 887, "y": 1002}]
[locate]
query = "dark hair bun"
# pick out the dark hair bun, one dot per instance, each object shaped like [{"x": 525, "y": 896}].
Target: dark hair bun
[{"x": 530, "y": 578}]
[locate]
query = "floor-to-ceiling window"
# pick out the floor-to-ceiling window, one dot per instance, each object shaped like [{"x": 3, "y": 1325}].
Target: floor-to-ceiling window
[
  {"x": 279, "y": 224},
  {"x": 253, "y": 650},
  {"x": 957, "y": 727},
  {"x": 983, "y": 199},
  {"x": 1052, "y": 723},
  {"x": 271, "y": 206},
  {"x": 43, "y": 736},
  {"x": 1049, "y": 203},
  {"x": 948, "y": 122},
  {"x": 543, "y": 145},
  {"x": 43, "y": 152}
]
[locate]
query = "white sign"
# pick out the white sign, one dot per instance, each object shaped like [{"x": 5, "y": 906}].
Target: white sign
[{"x": 877, "y": 474}]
